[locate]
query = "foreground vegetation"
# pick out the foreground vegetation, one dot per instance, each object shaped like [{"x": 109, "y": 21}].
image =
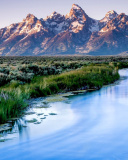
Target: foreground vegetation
[{"x": 22, "y": 78}]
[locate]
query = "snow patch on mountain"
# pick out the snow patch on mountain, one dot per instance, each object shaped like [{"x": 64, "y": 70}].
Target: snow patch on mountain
[
  {"x": 95, "y": 26},
  {"x": 76, "y": 27},
  {"x": 60, "y": 27},
  {"x": 76, "y": 24},
  {"x": 56, "y": 23}
]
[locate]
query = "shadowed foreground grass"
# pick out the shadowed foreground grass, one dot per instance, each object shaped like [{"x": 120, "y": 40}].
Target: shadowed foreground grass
[
  {"x": 11, "y": 107},
  {"x": 13, "y": 95}
]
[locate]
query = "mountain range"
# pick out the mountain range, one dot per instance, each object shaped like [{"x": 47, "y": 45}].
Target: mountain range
[{"x": 73, "y": 34}]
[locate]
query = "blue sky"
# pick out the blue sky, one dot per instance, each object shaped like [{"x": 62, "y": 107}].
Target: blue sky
[{"x": 12, "y": 11}]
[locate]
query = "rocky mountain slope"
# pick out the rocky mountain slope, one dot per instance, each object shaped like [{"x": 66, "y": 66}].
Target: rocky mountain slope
[{"x": 75, "y": 33}]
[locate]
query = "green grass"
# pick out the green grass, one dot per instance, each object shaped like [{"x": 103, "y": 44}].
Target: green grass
[
  {"x": 11, "y": 106},
  {"x": 89, "y": 77}
]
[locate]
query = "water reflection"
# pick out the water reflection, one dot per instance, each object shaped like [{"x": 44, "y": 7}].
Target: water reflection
[
  {"x": 18, "y": 127},
  {"x": 37, "y": 120}
]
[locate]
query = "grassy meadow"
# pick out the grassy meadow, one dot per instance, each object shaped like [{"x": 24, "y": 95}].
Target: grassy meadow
[{"x": 22, "y": 78}]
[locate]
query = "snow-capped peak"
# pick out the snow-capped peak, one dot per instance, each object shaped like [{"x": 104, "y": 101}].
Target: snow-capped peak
[
  {"x": 111, "y": 14},
  {"x": 54, "y": 18},
  {"x": 30, "y": 16},
  {"x": 56, "y": 23},
  {"x": 76, "y": 13},
  {"x": 77, "y": 19},
  {"x": 54, "y": 14},
  {"x": 76, "y": 6}
]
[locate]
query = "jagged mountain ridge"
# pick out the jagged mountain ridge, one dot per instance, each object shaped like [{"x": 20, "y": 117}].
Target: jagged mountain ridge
[{"x": 75, "y": 33}]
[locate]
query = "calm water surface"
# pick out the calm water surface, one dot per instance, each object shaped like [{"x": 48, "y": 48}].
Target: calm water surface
[{"x": 91, "y": 126}]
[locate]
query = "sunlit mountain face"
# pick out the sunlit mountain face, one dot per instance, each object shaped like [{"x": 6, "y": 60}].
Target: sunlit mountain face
[{"x": 74, "y": 34}]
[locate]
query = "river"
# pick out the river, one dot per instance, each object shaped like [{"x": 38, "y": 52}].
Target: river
[{"x": 88, "y": 126}]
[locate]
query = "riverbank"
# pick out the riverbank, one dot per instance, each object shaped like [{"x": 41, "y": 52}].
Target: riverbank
[
  {"x": 90, "y": 126},
  {"x": 14, "y": 95}
]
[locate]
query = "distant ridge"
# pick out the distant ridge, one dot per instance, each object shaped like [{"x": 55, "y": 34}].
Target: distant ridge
[{"x": 73, "y": 34}]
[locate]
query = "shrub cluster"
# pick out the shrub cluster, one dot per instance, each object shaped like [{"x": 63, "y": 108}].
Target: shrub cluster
[
  {"x": 4, "y": 78},
  {"x": 25, "y": 72}
]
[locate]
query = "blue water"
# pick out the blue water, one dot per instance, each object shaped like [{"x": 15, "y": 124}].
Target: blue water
[{"x": 92, "y": 126}]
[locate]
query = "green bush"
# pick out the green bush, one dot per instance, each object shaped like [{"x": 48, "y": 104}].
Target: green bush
[{"x": 4, "y": 79}]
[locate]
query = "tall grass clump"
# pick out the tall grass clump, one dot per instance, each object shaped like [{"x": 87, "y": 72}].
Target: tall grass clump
[
  {"x": 11, "y": 105},
  {"x": 90, "y": 77}
]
